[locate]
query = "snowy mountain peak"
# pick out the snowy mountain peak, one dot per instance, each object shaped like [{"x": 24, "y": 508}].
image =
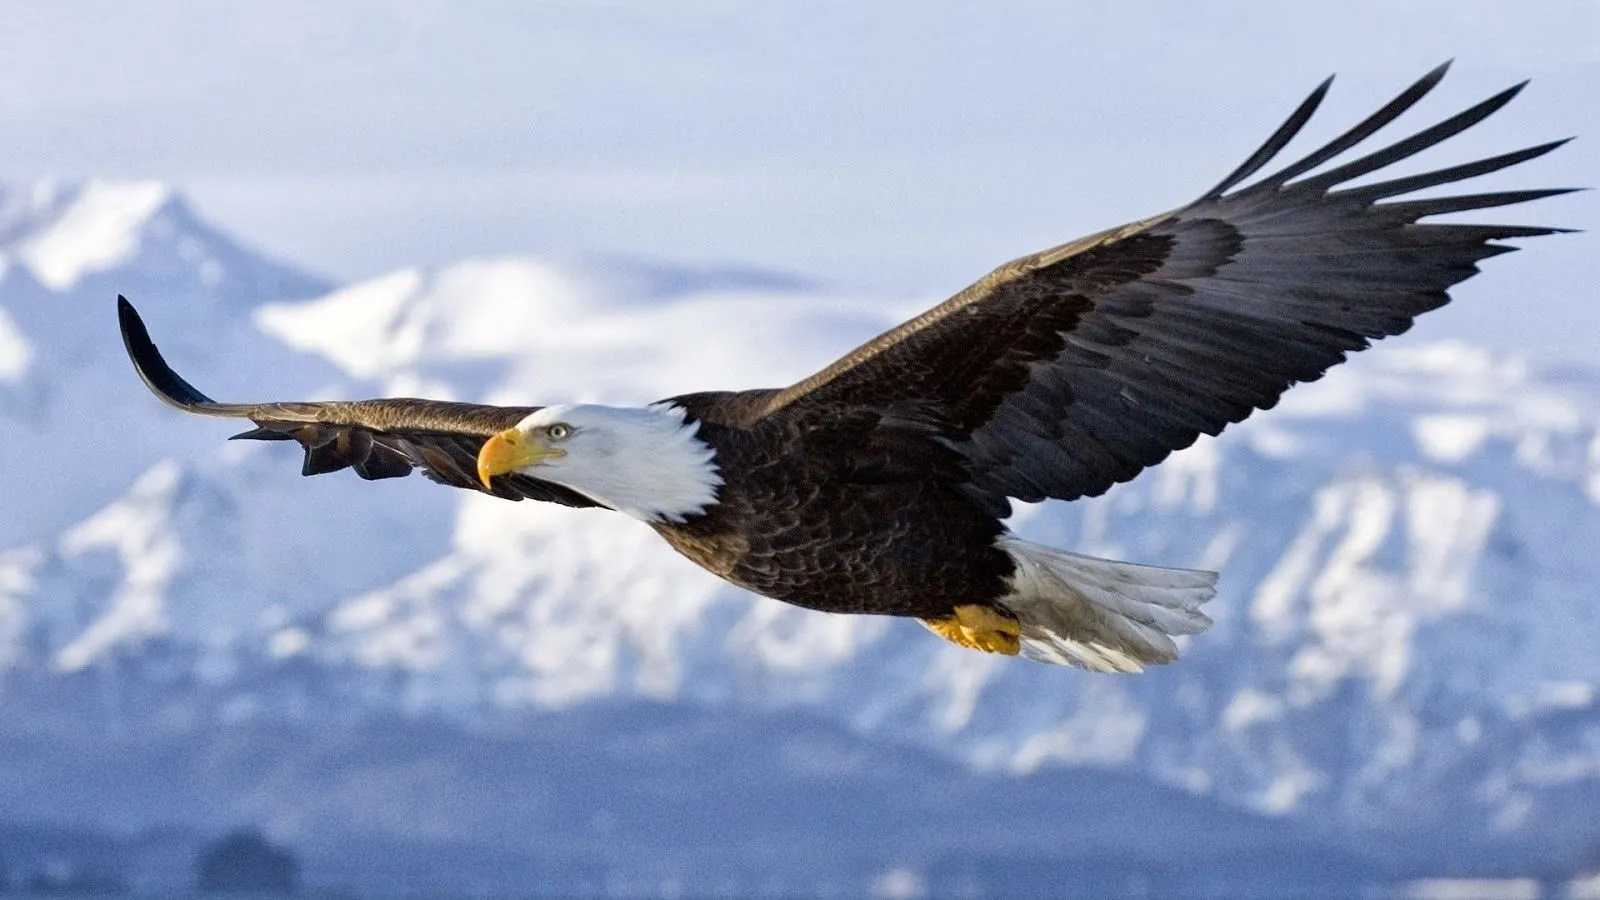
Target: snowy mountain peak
[
  {"x": 67, "y": 249},
  {"x": 521, "y": 330},
  {"x": 137, "y": 531},
  {"x": 70, "y": 231},
  {"x": 98, "y": 237}
]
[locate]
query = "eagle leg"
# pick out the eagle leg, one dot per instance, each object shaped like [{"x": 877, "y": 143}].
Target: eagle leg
[{"x": 981, "y": 628}]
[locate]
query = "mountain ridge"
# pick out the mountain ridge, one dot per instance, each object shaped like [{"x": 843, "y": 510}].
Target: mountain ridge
[{"x": 1401, "y": 646}]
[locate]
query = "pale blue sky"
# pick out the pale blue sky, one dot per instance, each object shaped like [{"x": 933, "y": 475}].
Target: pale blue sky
[{"x": 904, "y": 148}]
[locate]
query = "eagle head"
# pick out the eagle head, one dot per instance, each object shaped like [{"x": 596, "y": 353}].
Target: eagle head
[{"x": 647, "y": 462}]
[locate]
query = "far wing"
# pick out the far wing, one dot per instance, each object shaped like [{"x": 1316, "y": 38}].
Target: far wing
[
  {"x": 384, "y": 438},
  {"x": 1065, "y": 372}
]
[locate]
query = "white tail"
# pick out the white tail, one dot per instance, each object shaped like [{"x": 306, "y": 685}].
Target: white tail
[{"x": 1100, "y": 614}]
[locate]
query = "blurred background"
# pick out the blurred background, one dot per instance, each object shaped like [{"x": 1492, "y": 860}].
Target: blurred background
[{"x": 209, "y": 665}]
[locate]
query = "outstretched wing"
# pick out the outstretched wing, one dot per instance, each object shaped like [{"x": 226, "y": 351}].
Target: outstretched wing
[
  {"x": 383, "y": 438},
  {"x": 1065, "y": 372}
]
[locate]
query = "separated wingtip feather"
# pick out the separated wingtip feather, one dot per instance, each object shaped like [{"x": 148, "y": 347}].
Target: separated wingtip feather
[
  {"x": 1418, "y": 142},
  {"x": 159, "y": 377},
  {"x": 149, "y": 364},
  {"x": 1279, "y": 139},
  {"x": 1363, "y": 129},
  {"x": 1397, "y": 186}
]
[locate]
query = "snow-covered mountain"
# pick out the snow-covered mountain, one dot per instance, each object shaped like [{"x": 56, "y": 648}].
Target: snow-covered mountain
[
  {"x": 66, "y": 251},
  {"x": 1404, "y": 644}
]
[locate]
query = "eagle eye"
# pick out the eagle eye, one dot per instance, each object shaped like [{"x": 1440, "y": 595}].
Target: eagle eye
[{"x": 560, "y": 431}]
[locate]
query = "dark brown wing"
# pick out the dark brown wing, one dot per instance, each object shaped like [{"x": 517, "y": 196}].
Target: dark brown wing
[
  {"x": 383, "y": 438},
  {"x": 1065, "y": 372}
]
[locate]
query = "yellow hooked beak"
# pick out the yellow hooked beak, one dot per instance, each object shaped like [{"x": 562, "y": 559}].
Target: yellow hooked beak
[{"x": 509, "y": 451}]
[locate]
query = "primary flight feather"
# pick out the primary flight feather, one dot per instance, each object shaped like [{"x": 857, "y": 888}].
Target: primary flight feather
[{"x": 880, "y": 484}]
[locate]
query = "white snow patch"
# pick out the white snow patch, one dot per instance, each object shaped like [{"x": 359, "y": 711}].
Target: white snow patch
[
  {"x": 15, "y": 351},
  {"x": 1535, "y": 409},
  {"x": 1188, "y": 478},
  {"x": 1358, "y": 623},
  {"x": 1473, "y": 889},
  {"x": 1273, "y": 608},
  {"x": 1397, "y": 750},
  {"x": 788, "y": 639},
  {"x": 499, "y": 319},
  {"x": 962, "y": 676},
  {"x": 1584, "y": 888},
  {"x": 1591, "y": 482},
  {"x": 397, "y": 626},
  {"x": 1328, "y": 398},
  {"x": 98, "y": 230},
  {"x": 1272, "y": 442},
  {"x": 1447, "y": 525},
  {"x": 1566, "y": 695},
  {"x": 358, "y": 328},
  {"x": 1220, "y": 548},
  {"x": 1380, "y": 559},
  {"x": 137, "y": 528},
  {"x": 211, "y": 272},
  {"x": 17, "y": 583},
  {"x": 288, "y": 642},
  {"x": 1282, "y": 794},
  {"x": 1105, "y": 729},
  {"x": 1450, "y": 437},
  {"x": 493, "y": 309},
  {"x": 898, "y": 884},
  {"x": 1456, "y": 359},
  {"x": 1249, "y": 707}
]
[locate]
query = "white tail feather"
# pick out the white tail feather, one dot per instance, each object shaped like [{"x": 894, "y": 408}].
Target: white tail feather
[{"x": 1100, "y": 614}]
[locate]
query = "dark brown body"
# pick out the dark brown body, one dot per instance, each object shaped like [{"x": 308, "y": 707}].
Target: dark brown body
[{"x": 852, "y": 513}]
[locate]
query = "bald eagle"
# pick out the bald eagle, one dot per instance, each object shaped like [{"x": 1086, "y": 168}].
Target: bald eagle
[{"x": 881, "y": 483}]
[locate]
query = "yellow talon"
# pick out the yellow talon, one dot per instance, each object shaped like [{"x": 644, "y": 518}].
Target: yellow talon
[{"x": 981, "y": 628}]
